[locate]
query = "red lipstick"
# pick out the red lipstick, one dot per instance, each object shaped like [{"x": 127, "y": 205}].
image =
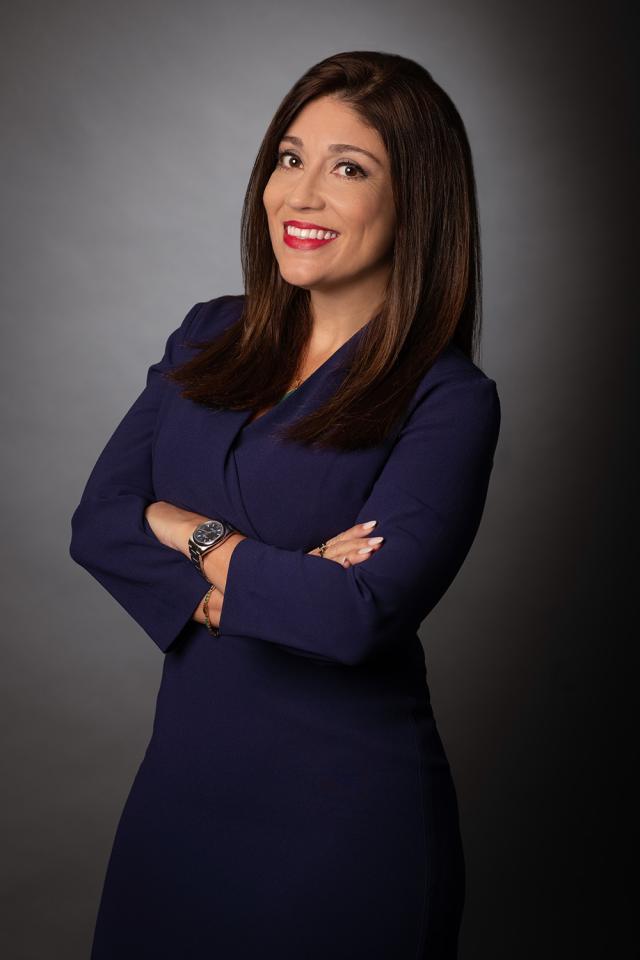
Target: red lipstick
[{"x": 297, "y": 242}]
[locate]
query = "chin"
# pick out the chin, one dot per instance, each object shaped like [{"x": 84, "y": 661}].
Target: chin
[{"x": 300, "y": 278}]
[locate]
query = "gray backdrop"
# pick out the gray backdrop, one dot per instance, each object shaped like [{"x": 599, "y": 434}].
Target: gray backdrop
[{"x": 129, "y": 131}]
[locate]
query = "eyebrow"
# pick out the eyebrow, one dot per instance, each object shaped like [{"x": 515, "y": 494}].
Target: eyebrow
[{"x": 337, "y": 148}]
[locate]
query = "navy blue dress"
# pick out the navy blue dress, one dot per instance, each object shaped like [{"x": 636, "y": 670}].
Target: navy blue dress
[{"x": 295, "y": 800}]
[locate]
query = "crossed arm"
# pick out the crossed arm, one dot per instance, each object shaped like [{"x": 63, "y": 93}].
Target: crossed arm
[
  {"x": 172, "y": 526},
  {"x": 428, "y": 501}
]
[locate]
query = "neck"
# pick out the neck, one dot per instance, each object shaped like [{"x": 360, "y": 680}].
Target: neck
[{"x": 338, "y": 314}]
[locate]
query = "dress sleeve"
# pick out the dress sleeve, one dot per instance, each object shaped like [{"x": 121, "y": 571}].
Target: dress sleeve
[
  {"x": 428, "y": 501},
  {"x": 111, "y": 537}
]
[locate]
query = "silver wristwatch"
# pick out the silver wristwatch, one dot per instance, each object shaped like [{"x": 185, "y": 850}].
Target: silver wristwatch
[{"x": 207, "y": 536}]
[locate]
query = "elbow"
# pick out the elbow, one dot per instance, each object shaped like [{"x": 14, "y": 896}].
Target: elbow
[
  {"x": 356, "y": 657},
  {"x": 359, "y": 651},
  {"x": 80, "y": 538},
  {"x": 377, "y": 638},
  {"x": 76, "y": 553},
  {"x": 357, "y": 622},
  {"x": 367, "y": 621},
  {"x": 74, "y": 543},
  {"x": 364, "y": 650},
  {"x": 372, "y": 625},
  {"x": 362, "y": 638},
  {"x": 73, "y": 550}
]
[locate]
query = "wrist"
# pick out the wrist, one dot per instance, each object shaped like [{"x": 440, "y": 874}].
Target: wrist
[
  {"x": 184, "y": 530},
  {"x": 216, "y": 562}
]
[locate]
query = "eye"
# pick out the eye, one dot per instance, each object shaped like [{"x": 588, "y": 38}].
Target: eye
[
  {"x": 354, "y": 166},
  {"x": 286, "y": 153},
  {"x": 361, "y": 174}
]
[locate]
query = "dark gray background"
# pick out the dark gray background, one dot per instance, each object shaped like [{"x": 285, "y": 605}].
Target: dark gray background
[{"x": 129, "y": 131}]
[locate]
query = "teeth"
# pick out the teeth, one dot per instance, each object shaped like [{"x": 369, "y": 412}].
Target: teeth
[{"x": 311, "y": 234}]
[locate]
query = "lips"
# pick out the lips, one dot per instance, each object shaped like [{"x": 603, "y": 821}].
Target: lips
[
  {"x": 297, "y": 243},
  {"x": 306, "y": 225}
]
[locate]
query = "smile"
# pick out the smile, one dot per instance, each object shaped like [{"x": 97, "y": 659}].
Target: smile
[{"x": 306, "y": 236}]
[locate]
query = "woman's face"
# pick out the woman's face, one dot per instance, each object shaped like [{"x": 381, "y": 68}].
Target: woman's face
[{"x": 338, "y": 189}]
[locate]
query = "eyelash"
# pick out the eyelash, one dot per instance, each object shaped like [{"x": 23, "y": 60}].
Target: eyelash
[{"x": 290, "y": 153}]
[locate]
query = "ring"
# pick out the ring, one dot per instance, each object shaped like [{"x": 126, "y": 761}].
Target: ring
[{"x": 322, "y": 548}]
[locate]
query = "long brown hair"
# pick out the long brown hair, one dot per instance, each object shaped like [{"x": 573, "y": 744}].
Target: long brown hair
[{"x": 433, "y": 294}]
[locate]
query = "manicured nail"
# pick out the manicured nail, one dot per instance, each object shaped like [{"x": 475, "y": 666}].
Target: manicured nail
[
  {"x": 375, "y": 539},
  {"x": 365, "y": 549},
  {"x": 369, "y": 524}
]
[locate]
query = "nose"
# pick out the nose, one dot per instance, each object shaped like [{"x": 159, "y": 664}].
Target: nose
[{"x": 306, "y": 191}]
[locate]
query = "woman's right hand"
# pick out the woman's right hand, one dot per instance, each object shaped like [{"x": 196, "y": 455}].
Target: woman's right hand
[{"x": 350, "y": 547}]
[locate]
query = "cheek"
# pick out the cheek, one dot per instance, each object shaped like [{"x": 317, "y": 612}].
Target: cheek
[
  {"x": 270, "y": 196},
  {"x": 376, "y": 239},
  {"x": 382, "y": 230},
  {"x": 372, "y": 223}
]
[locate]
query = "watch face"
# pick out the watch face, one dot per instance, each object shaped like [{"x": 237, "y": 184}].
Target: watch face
[{"x": 208, "y": 533}]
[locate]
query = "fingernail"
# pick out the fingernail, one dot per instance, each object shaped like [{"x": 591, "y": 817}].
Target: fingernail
[
  {"x": 369, "y": 524},
  {"x": 365, "y": 549},
  {"x": 375, "y": 539}
]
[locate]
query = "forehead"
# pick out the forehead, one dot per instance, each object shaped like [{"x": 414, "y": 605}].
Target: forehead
[{"x": 329, "y": 121}]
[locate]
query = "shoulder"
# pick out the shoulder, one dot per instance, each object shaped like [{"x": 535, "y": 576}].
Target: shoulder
[
  {"x": 455, "y": 376},
  {"x": 210, "y": 317},
  {"x": 203, "y": 322},
  {"x": 455, "y": 395},
  {"x": 214, "y": 316},
  {"x": 453, "y": 367}
]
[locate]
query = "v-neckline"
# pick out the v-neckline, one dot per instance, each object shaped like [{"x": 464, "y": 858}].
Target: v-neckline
[{"x": 247, "y": 426}]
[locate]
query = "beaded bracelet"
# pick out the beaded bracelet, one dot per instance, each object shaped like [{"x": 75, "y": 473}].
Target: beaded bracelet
[{"x": 205, "y": 609}]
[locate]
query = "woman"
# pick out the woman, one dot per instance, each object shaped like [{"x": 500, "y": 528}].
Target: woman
[{"x": 288, "y": 498}]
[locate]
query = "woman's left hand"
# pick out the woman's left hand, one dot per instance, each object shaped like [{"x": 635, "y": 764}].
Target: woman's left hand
[{"x": 172, "y": 525}]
